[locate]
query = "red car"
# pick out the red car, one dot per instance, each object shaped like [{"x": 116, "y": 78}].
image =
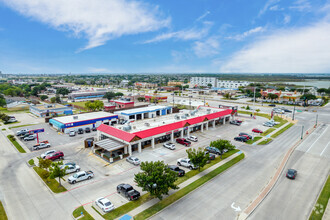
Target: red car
[
  {"x": 56, "y": 155},
  {"x": 247, "y": 137},
  {"x": 183, "y": 141},
  {"x": 256, "y": 130}
]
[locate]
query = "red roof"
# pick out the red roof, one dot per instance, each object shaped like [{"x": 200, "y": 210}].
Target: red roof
[{"x": 126, "y": 136}]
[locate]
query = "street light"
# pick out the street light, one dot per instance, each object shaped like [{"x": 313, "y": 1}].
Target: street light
[
  {"x": 302, "y": 132},
  {"x": 190, "y": 101}
]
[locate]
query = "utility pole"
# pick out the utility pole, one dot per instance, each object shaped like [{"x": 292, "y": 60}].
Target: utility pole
[
  {"x": 302, "y": 132},
  {"x": 294, "y": 109},
  {"x": 316, "y": 119},
  {"x": 173, "y": 98}
]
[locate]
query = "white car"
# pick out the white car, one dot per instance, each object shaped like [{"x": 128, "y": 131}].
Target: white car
[
  {"x": 185, "y": 162},
  {"x": 72, "y": 133},
  {"x": 12, "y": 120},
  {"x": 192, "y": 138},
  {"x": 41, "y": 145},
  {"x": 133, "y": 160},
  {"x": 104, "y": 204},
  {"x": 71, "y": 167},
  {"x": 44, "y": 155},
  {"x": 169, "y": 145}
]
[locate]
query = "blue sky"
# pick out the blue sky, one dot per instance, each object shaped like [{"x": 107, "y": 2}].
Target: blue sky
[{"x": 185, "y": 36}]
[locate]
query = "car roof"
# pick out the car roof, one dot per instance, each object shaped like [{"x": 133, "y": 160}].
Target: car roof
[
  {"x": 172, "y": 166},
  {"x": 102, "y": 199}
]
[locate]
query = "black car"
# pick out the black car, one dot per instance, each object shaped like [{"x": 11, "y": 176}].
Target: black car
[
  {"x": 176, "y": 169},
  {"x": 128, "y": 191},
  {"x": 245, "y": 134},
  {"x": 80, "y": 131},
  {"x": 213, "y": 150},
  {"x": 87, "y": 130},
  {"x": 286, "y": 110},
  {"x": 94, "y": 129},
  {"x": 291, "y": 174},
  {"x": 241, "y": 138},
  {"x": 272, "y": 105}
]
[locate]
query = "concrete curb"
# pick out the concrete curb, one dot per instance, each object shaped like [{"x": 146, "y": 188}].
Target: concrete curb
[{"x": 246, "y": 213}]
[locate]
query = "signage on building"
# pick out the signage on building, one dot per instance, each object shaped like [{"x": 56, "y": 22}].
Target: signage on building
[{"x": 37, "y": 131}]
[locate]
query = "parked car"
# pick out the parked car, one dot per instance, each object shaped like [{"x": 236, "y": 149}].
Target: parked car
[
  {"x": 72, "y": 133},
  {"x": 88, "y": 130},
  {"x": 176, "y": 169},
  {"x": 80, "y": 176},
  {"x": 22, "y": 131},
  {"x": 22, "y": 136},
  {"x": 44, "y": 144},
  {"x": 11, "y": 119},
  {"x": 256, "y": 130},
  {"x": 268, "y": 124},
  {"x": 245, "y": 134},
  {"x": 133, "y": 160},
  {"x": 185, "y": 162},
  {"x": 211, "y": 156},
  {"x": 169, "y": 145},
  {"x": 272, "y": 105},
  {"x": 192, "y": 138},
  {"x": 235, "y": 122},
  {"x": 104, "y": 204},
  {"x": 94, "y": 128},
  {"x": 128, "y": 191},
  {"x": 291, "y": 173},
  {"x": 30, "y": 137},
  {"x": 55, "y": 156},
  {"x": 286, "y": 110},
  {"x": 183, "y": 141},
  {"x": 241, "y": 139},
  {"x": 44, "y": 155},
  {"x": 80, "y": 131},
  {"x": 71, "y": 167},
  {"x": 213, "y": 150}
]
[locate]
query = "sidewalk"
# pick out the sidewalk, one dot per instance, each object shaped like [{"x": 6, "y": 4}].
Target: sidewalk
[{"x": 92, "y": 212}]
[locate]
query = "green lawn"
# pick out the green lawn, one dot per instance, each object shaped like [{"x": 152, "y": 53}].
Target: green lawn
[
  {"x": 145, "y": 198},
  {"x": 268, "y": 131},
  {"x": 76, "y": 213},
  {"x": 254, "y": 140},
  {"x": 3, "y": 215},
  {"x": 282, "y": 130},
  {"x": 3, "y": 129},
  {"x": 16, "y": 144},
  {"x": 281, "y": 120},
  {"x": 81, "y": 104},
  {"x": 19, "y": 126},
  {"x": 257, "y": 114},
  {"x": 322, "y": 202},
  {"x": 51, "y": 183},
  {"x": 184, "y": 191},
  {"x": 265, "y": 141},
  {"x": 31, "y": 162}
]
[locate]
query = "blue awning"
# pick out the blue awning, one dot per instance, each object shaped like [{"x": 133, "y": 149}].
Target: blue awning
[{"x": 56, "y": 123}]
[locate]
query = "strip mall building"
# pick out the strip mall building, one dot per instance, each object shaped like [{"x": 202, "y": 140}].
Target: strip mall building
[{"x": 118, "y": 141}]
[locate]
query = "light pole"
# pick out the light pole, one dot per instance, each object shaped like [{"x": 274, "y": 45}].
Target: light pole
[
  {"x": 173, "y": 99},
  {"x": 294, "y": 109},
  {"x": 302, "y": 132},
  {"x": 316, "y": 119},
  {"x": 190, "y": 101}
]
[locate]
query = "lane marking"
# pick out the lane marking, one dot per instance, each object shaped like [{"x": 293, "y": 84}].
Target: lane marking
[
  {"x": 324, "y": 149},
  {"x": 316, "y": 140}
]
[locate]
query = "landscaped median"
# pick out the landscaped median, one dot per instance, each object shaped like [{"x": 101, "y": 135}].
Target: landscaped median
[
  {"x": 255, "y": 139},
  {"x": 51, "y": 183},
  {"x": 282, "y": 130},
  {"x": 268, "y": 131},
  {"x": 119, "y": 211},
  {"x": 266, "y": 141},
  {"x": 15, "y": 143},
  {"x": 3, "y": 215},
  {"x": 19, "y": 126},
  {"x": 322, "y": 202},
  {"x": 77, "y": 212},
  {"x": 184, "y": 191}
]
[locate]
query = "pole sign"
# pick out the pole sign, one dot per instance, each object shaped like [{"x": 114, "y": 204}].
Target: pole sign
[{"x": 37, "y": 131}]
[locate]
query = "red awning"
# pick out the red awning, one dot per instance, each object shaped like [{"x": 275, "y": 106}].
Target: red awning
[{"x": 123, "y": 135}]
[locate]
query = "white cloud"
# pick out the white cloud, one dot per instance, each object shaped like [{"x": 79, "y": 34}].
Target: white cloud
[
  {"x": 276, "y": 8},
  {"x": 186, "y": 34},
  {"x": 268, "y": 4},
  {"x": 209, "y": 47},
  {"x": 287, "y": 19},
  {"x": 203, "y": 16},
  {"x": 301, "y": 5},
  {"x": 97, "y": 20},
  {"x": 301, "y": 50},
  {"x": 246, "y": 34},
  {"x": 98, "y": 70}
]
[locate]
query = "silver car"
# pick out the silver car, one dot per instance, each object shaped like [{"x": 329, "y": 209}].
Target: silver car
[
  {"x": 169, "y": 145},
  {"x": 133, "y": 160}
]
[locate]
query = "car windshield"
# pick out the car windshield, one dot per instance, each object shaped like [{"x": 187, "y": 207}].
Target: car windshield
[
  {"x": 290, "y": 171},
  {"x": 75, "y": 175},
  {"x": 135, "y": 159},
  {"x": 176, "y": 168},
  {"x": 107, "y": 204}
]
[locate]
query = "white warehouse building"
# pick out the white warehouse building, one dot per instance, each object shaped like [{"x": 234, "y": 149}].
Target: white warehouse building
[
  {"x": 203, "y": 81},
  {"x": 231, "y": 84}
]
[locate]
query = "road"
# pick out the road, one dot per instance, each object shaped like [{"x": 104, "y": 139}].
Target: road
[{"x": 242, "y": 183}]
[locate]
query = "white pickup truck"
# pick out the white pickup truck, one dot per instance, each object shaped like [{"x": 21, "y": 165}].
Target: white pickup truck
[
  {"x": 185, "y": 162},
  {"x": 44, "y": 144},
  {"x": 80, "y": 176}
]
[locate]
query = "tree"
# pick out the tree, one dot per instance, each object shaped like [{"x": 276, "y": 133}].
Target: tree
[
  {"x": 2, "y": 101},
  {"x": 44, "y": 174},
  {"x": 209, "y": 85},
  {"x": 58, "y": 99},
  {"x": 53, "y": 99},
  {"x": 62, "y": 91},
  {"x": 95, "y": 105},
  {"x": 109, "y": 95},
  {"x": 56, "y": 171},
  {"x": 44, "y": 163},
  {"x": 308, "y": 97},
  {"x": 156, "y": 178},
  {"x": 221, "y": 145},
  {"x": 141, "y": 99},
  {"x": 272, "y": 96},
  {"x": 119, "y": 94},
  {"x": 198, "y": 157},
  {"x": 227, "y": 95},
  {"x": 43, "y": 97},
  {"x": 4, "y": 117},
  {"x": 322, "y": 91}
]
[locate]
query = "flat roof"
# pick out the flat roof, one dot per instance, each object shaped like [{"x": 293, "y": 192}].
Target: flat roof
[
  {"x": 145, "y": 124},
  {"x": 83, "y": 117},
  {"x": 151, "y": 108},
  {"x": 123, "y": 101},
  {"x": 53, "y": 106}
]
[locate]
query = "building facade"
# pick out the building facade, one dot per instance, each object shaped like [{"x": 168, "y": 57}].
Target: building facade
[
  {"x": 44, "y": 110},
  {"x": 203, "y": 81},
  {"x": 231, "y": 84},
  {"x": 144, "y": 113}
]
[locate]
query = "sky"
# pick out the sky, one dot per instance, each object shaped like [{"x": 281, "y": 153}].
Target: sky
[{"x": 165, "y": 36}]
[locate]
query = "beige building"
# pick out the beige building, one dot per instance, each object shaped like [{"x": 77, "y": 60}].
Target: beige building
[{"x": 172, "y": 83}]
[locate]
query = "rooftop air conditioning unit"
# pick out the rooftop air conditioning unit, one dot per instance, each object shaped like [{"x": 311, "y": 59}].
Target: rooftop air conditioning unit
[
  {"x": 183, "y": 117},
  {"x": 75, "y": 117},
  {"x": 208, "y": 110},
  {"x": 187, "y": 115},
  {"x": 127, "y": 127}
]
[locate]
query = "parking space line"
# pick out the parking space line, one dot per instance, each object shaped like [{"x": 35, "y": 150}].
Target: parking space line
[{"x": 324, "y": 149}]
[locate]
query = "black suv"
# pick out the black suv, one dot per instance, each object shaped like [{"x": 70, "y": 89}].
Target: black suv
[
  {"x": 241, "y": 138},
  {"x": 87, "y": 130},
  {"x": 128, "y": 191},
  {"x": 80, "y": 131},
  {"x": 176, "y": 169}
]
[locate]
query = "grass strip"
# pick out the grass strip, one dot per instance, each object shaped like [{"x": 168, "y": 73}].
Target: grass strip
[
  {"x": 3, "y": 129},
  {"x": 31, "y": 162},
  {"x": 77, "y": 212},
  {"x": 19, "y": 126},
  {"x": 3, "y": 215},
  {"x": 251, "y": 141},
  {"x": 282, "y": 130},
  {"x": 184, "y": 191},
  {"x": 16, "y": 144},
  {"x": 265, "y": 141},
  {"x": 268, "y": 131},
  {"x": 256, "y": 113},
  {"x": 121, "y": 210},
  {"x": 51, "y": 183},
  {"x": 281, "y": 121},
  {"x": 321, "y": 202}
]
